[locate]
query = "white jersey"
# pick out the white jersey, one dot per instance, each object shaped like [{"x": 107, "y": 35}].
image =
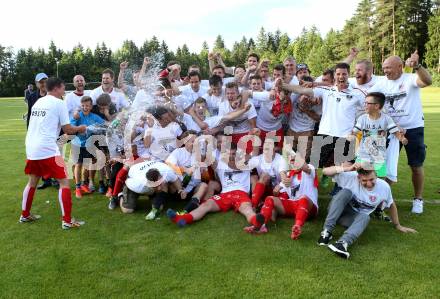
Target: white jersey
[
  {"x": 233, "y": 179},
  {"x": 366, "y": 86},
  {"x": 266, "y": 121},
  {"x": 137, "y": 180},
  {"x": 190, "y": 95},
  {"x": 403, "y": 102},
  {"x": 338, "y": 109},
  {"x": 365, "y": 201},
  {"x": 374, "y": 136},
  {"x": 142, "y": 151},
  {"x": 73, "y": 101},
  {"x": 190, "y": 123},
  {"x": 241, "y": 124},
  {"x": 164, "y": 140},
  {"x": 300, "y": 121},
  {"x": 47, "y": 117},
  {"x": 142, "y": 99},
  {"x": 213, "y": 103},
  {"x": 273, "y": 167},
  {"x": 118, "y": 98},
  {"x": 302, "y": 185}
]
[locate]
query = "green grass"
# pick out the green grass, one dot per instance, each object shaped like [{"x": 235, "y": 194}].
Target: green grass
[{"x": 117, "y": 255}]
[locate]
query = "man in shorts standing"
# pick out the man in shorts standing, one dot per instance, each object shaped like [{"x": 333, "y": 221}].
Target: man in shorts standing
[{"x": 48, "y": 116}]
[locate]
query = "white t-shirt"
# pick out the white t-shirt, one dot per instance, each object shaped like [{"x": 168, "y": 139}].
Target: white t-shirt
[
  {"x": 367, "y": 86},
  {"x": 300, "y": 121},
  {"x": 118, "y": 98},
  {"x": 266, "y": 121},
  {"x": 190, "y": 94},
  {"x": 137, "y": 180},
  {"x": 73, "y": 102},
  {"x": 272, "y": 167},
  {"x": 212, "y": 122},
  {"x": 142, "y": 151},
  {"x": 403, "y": 102},
  {"x": 338, "y": 109},
  {"x": 48, "y": 115},
  {"x": 142, "y": 99},
  {"x": 241, "y": 124},
  {"x": 213, "y": 103},
  {"x": 232, "y": 179},
  {"x": 304, "y": 186},
  {"x": 365, "y": 201},
  {"x": 164, "y": 140},
  {"x": 374, "y": 136}
]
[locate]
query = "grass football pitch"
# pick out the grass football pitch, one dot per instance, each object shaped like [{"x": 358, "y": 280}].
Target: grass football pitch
[{"x": 116, "y": 255}]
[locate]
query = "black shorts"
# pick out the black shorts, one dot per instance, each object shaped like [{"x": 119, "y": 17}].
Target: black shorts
[
  {"x": 78, "y": 154},
  {"x": 327, "y": 154},
  {"x": 416, "y": 148},
  {"x": 130, "y": 198}
]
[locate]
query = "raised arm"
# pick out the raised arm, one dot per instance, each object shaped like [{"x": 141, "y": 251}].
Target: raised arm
[
  {"x": 423, "y": 76},
  {"x": 143, "y": 69},
  {"x": 228, "y": 70},
  {"x": 353, "y": 54},
  {"x": 121, "y": 81}
]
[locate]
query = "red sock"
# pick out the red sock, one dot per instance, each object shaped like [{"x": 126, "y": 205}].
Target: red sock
[
  {"x": 187, "y": 217},
  {"x": 28, "y": 197},
  {"x": 267, "y": 209},
  {"x": 120, "y": 180},
  {"x": 302, "y": 211},
  {"x": 65, "y": 199},
  {"x": 257, "y": 193}
]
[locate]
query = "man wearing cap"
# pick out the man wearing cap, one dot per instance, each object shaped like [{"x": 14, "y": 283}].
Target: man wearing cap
[
  {"x": 302, "y": 70},
  {"x": 154, "y": 178},
  {"x": 40, "y": 81}
]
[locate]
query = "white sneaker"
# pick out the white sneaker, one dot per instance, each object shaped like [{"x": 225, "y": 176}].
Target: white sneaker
[
  {"x": 417, "y": 207},
  {"x": 73, "y": 224},
  {"x": 92, "y": 186},
  {"x": 30, "y": 218}
]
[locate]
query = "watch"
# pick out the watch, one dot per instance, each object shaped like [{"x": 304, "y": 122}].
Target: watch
[{"x": 417, "y": 67}]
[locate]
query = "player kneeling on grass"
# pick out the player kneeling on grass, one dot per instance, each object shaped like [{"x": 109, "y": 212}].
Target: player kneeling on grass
[
  {"x": 351, "y": 207},
  {"x": 48, "y": 116},
  {"x": 183, "y": 160},
  {"x": 154, "y": 178},
  {"x": 235, "y": 194},
  {"x": 296, "y": 196}
]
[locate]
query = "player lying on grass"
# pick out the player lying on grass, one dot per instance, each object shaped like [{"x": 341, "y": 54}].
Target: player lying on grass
[
  {"x": 296, "y": 196},
  {"x": 235, "y": 184},
  {"x": 351, "y": 207}
]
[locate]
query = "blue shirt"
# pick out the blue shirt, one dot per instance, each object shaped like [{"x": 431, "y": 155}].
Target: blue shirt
[{"x": 88, "y": 120}]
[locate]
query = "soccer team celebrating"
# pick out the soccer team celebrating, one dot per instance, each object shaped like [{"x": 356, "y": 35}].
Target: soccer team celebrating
[{"x": 248, "y": 138}]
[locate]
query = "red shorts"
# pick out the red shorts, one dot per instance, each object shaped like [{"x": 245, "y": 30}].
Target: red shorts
[
  {"x": 236, "y": 138},
  {"x": 225, "y": 201},
  {"x": 52, "y": 167},
  {"x": 291, "y": 206},
  {"x": 278, "y": 133}
]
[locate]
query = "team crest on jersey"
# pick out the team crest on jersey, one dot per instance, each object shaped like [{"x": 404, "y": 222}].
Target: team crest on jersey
[{"x": 373, "y": 198}]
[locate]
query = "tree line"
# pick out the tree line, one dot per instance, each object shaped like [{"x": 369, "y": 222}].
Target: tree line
[{"x": 378, "y": 29}]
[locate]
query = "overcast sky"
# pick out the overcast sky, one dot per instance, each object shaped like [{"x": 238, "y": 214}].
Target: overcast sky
[{"x": 34, "y": 23}]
